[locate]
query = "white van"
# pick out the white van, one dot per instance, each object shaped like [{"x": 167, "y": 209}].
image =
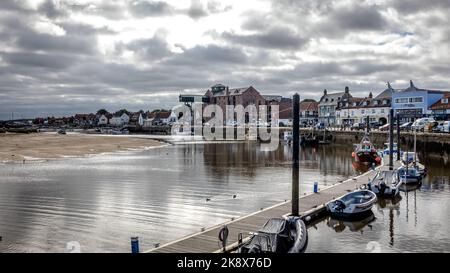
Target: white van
[
  {"x": 446, "y": 127},
  {"x": 421, "y": 123}
]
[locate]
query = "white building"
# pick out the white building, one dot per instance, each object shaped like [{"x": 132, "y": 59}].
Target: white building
[
  {"x": 328, "y": 104},
  {"x": 119, "y": 120},
  {"x": 356, "y": 110},
  {"x": 103, "y": 120}
]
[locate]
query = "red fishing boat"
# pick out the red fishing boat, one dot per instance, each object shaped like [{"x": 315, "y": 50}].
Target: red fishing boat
[{"x": 365, "y": 152}]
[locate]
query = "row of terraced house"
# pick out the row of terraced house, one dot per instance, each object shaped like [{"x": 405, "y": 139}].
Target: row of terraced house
[
  {"x": 411, "y": 103},
  {"x": 336, "y": 108}
]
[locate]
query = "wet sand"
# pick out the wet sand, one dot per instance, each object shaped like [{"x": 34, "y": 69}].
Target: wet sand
[{"x": 20, "y": 147}]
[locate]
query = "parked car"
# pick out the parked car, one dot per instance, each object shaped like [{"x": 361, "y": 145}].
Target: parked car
[
  {"x": 319, "y": 126},
  {"x": 439, "y": 128},
  {"x": 446, "y": 127},
  {"x": 384, "y": 127},
  {"x": 406, "y": 126},
  {"x": 358, "y": 126},
  {"x": 375, "y": 125},
  {"x": 422, "y": 123}
]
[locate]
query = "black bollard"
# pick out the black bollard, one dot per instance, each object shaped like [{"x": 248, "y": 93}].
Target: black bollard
[
  {"x": 391, "y": 140},
  {"x": 398, "y": 137},
  {"x": 295, "y": 153},
  {"x": 134, "y": 244}
]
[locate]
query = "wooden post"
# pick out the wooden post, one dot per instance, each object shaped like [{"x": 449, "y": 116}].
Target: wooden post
[
  {"x": 398, "y": 137},
  {"x": 295, "y": 153},
  {"x": 391, "y": 139},
  {"x": 367, "y": 124}
]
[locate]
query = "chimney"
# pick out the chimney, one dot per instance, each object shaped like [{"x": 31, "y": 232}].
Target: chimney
[
  {"x": 389, "y": 86},
  {"x": 324, "y": 92},
  {"x": 347, "y": 90},
  {"x": 228, "y": 91},
  {"x": 411, "y": 84},
  {"x": 370, "y": 95}
]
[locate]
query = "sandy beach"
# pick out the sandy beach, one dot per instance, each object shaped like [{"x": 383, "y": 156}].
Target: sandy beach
[{"x": 20, "y": 147}]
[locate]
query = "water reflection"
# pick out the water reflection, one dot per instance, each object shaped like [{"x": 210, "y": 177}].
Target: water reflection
[
  {"x": 416, "y": 222},
  {"x": 159, "y": 195},
  {"x": 339, "y": 225}
]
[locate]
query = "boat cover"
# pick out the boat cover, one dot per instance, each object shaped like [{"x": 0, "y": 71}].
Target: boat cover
[{"x": 274, "y": 236}]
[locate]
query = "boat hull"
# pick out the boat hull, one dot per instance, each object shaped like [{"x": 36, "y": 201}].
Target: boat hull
[
  {"x": 366, "y": 157},
  {"x": 352, "y": 205}
]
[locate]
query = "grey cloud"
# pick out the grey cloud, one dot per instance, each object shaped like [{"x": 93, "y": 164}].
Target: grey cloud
[
  {"x": 197, "y": 10},
  {"x": 359, "y": 17},
  {"x": 50, "y": 9},
  {"x": 275, "y": 38},
  {"x": 415, "y": 6},
  {"x": 142, "y": 8},
  {"x": 209, "y": 56},
  {"x": 53, "y": 61},
  {"x": 153, "y": 48}
]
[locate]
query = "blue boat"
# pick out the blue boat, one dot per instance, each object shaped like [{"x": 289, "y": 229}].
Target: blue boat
[{"x": 408, "y": 175}]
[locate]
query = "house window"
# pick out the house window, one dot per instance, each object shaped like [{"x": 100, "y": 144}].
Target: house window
[
  {"x": 401, "y": 100},
  {"x": 385, "y": 102},
  {"x": 444, "y": 100},
  {"x": 382, "y": 111},
  {"x": 416, "y": 99},
  {"x": 363, "y": 111},
  {"x": 373, "y": 111},
  {"x": 375, "y": 102}
]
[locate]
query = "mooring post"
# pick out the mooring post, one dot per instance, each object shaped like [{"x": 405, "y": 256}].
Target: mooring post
[
  {"x": 398, "y": 137},
  {"x": 391, "y": 139},
  {"x": 295, "y": 153},
  {"x": 134, "y": 244},
  {"x": 367, "y": 124}
]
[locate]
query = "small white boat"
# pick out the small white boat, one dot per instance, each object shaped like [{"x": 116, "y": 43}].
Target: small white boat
[
  {"x": 409, "y": 175},
  {"x": 353, "y": 205},
  {"x": 385, "y": 184},
  {"x": 411, "y": 160},
  {"x": 287, "y": 136},
  {"x": 386, "y": 149}
]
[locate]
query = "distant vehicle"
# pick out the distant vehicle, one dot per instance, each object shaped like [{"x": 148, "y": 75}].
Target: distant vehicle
[
  {"x": 319, "y": 126},
  {"x": 406, "y": 126},
  {"x": 446, "y": 127},
  {"x": 375, "y": 125},
  {"x": 421, "y": 123},
  {"x": 358, "y": 126},
  {"x": 438, "y": 128},
  {"x": 384, "y": 127}
]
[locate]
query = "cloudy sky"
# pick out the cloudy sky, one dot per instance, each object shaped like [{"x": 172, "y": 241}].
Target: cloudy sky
[{"x": 59, "y": 57}]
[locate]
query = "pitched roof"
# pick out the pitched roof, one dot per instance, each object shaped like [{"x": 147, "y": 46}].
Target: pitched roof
[
  {"x": 159, "y": 115},
  {"x": 439, "y": 105},
  {"x": 232, "y": 92},
  {"x": 309, "y": 106}
]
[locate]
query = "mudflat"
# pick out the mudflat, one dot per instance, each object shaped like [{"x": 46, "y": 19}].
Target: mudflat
[{"x": 20, "y": 147}]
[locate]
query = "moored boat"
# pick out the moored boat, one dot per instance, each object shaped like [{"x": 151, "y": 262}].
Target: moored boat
[
  {"x": 366, "y": 152},
  {"x": 409, "y": 175},
  {"x": 353, "y": 205},
  {"x": 287, "y": 136},
  {"x": 385, "y": 184},
  {"x": 278, "y": 235},
  {"x": 309, "y": 140}
]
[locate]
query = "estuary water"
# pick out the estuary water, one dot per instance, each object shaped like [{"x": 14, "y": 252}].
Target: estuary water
[{"x": 96, "y": 204}]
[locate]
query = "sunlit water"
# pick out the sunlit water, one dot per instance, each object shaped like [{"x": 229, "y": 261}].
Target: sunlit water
[{"x": 161, "y": 195}]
